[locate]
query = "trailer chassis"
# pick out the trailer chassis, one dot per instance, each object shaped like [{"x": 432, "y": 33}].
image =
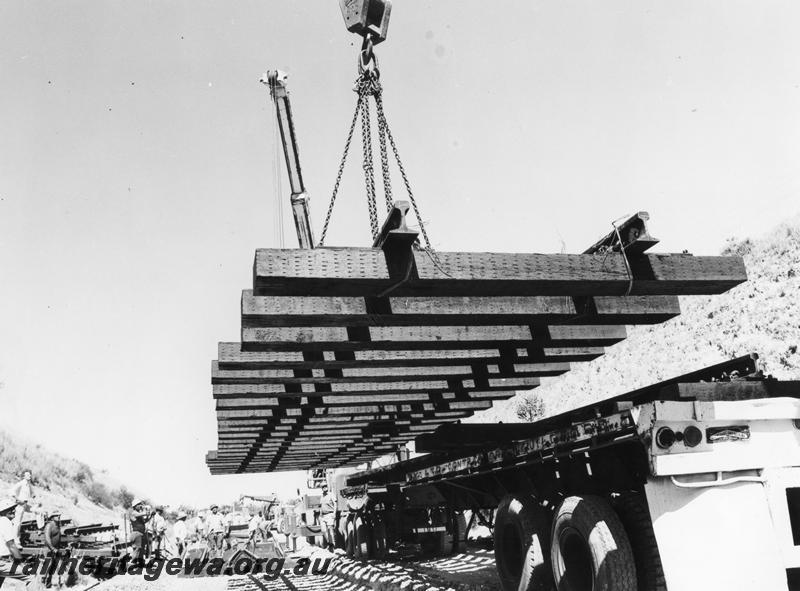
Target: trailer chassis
[{"x": 635, "y": 468}]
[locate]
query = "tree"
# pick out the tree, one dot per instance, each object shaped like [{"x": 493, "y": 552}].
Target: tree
[
  {"x": 124, "y": 497},
  {"x": 98, "y": 493},
  {"x": 530, "y": 408}
]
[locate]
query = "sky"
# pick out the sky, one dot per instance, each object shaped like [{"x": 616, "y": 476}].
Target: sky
[{"x": 138, "y": 158}]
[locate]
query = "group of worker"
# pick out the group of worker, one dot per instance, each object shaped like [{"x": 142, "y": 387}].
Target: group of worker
[
  {"x": 12, "y": 511},
  {"x": 216, "y": 527},
  {"x": 10, "y": 545},
  {"x": 149, "y": 530}
]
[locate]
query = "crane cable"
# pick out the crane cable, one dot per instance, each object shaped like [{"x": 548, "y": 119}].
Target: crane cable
[{"x": 368, "y": 85}]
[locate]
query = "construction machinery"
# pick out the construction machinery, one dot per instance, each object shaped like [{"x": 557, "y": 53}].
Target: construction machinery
[{"x": 276, "y": 80}]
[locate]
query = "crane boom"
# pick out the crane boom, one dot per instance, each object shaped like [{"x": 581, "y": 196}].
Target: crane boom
[{"x": 276, "y": 80}]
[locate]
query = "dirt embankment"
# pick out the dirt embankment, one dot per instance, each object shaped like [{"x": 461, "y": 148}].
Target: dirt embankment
[{"x": 761, "y": 315}]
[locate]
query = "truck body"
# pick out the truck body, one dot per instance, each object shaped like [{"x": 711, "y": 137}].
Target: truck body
[{"x": 692, "y": 483}]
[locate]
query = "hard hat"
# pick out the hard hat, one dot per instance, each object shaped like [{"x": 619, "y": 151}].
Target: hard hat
[
  {"x": 7, "y": 505},
  {"x": 182, "y": 515},
  {"x": 214, "y": 506},
  {"x": 137, "y": 501}
]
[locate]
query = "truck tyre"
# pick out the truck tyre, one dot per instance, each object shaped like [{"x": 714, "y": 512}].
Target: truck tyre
[
  {"x": 379, "y": 537},
  {"x": 363, "y": 538},
  {"x": 459, "y": 533},
  {"x": 339, "y": 533},
  {"x": 349, "y": 536},
  {"x": 433, "y": 543},
  {"x": 522, "y": 545},
  {"x": 391, "y": 521},
  {"x": 634, "y": 513},
  {"x": 590, "y": 550}
]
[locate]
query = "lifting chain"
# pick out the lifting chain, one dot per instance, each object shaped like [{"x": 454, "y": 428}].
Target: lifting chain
[
  {"x": 384, "y": 130},
  {"x": 369, "y": 175},
  {"x": 341, "y": 170},
  {"x": 368, "y": 85}
]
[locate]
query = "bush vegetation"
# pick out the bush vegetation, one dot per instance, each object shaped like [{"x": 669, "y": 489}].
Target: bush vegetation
[
  {"x": 56, "y": 473},
  {"x": 761, "y": 315}
]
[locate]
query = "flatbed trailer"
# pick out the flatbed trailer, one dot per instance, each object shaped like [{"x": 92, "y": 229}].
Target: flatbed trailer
[{"x": 691, "y": 483}]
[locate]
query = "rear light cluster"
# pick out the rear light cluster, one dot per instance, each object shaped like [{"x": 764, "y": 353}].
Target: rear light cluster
[{"x": 691, "y": 436}]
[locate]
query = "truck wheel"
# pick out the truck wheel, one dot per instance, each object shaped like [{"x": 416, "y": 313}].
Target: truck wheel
[
  {"x": 433, "y": 543},
  {"x": 590, "y": 550},
  {"x": 391, "y": 521},
  {"x": 459, "y": 527},
  {"x": 632, "y": 510},
  {"x": 362, "y": 537},
  {"x": 339, "y": 533},
  {"x": 379, "y": 537},
  {"x": 349, "y": 536},
  {"x": 522, "y": 545}
]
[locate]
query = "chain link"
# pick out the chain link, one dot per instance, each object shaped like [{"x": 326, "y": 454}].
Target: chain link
[
  {"x": 341, "y": 169},
  {"x": 385, "y": 124},
  {"x": 368, "y": 85},
  {"x": 387, "y": 179},
  {"x": 369, "y": 175}
]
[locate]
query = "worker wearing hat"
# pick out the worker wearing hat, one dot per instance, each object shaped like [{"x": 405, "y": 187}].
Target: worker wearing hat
[
  {"x": 327, "y": 517},
  {"x": 180, "y": 533},
  {"x": 158, "y": 527},
  {"x": 52, "y": 539},
  {"x": 254, "y": 526},
  {"x": 9, "y": 552},
  {"x": 139, "y": 515},
  {"x": 215, "y": 528}
]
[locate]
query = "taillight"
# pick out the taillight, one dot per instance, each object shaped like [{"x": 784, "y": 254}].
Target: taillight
[
  {"x": 692, "y": 436},
  {"x": 665, "y": 438}
]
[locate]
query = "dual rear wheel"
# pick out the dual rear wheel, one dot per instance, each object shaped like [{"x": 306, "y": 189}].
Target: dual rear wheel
[
  {"x": 584, "y": 545},
  {"x": 365, "y": 536}
]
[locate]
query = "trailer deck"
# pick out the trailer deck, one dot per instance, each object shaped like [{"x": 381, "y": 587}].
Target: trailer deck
[{"x": 592, "y": 426}]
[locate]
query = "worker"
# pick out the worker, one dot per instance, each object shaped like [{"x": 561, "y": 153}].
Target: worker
[
  {"x": 158, "y": 527},
  {"x": 9, "y": 551},
  {"x": 327, "y": 513},
  {"x": 52, "y": 540},
  {"x": 41, "y": 515},
  {"x": 228, "y": 519},
  {"x": 199, "y": 529},
  {"x": 139, "y": 515},
  {"x": 180, "y": 533},
  {"x": 269, "y": 523},
  {"x": 22, "y": 492},
  {"x": 265, "y": 526},
  {"x": 254, "y": 528},
  {"x": 215, "y": 530}
]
